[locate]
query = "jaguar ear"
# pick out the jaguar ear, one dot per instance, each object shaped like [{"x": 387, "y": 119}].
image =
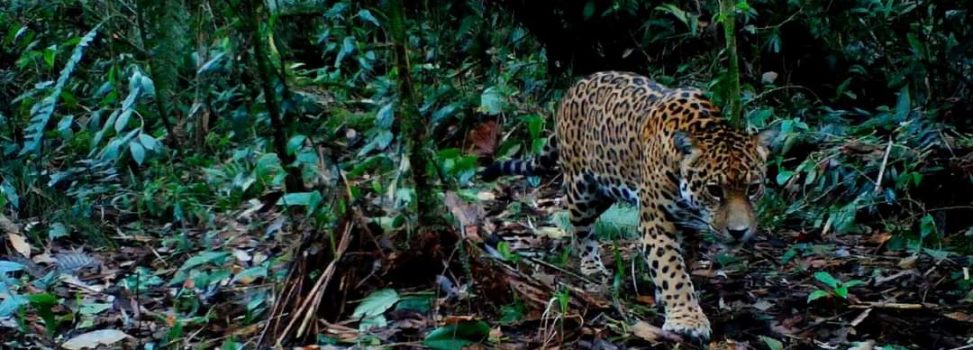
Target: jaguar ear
[{"x": 684, "y": 143}]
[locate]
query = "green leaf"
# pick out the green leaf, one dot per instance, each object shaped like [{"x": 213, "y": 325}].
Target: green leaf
[
  {"x": 366, "y": 15},
  {"x": 251, "y": 274},
  {"x": 41, "y": 112},
  {"x": 376, "y": 304},
  {"x": 49, "y": 53},
  {"x": 826, "y": 278},
  {"x": 419, "y": 303},
  {"x": 927, "y": 226},
  {"x": 589, "y": 9},
  {"x": 772, "y": 344},
  {"x": 512, "y": 313},
  {"x": 853, "y": 283},
  {"x": 57, "y": 230},
  {"x": 904, "y": 104},
  {"x": 149, "y": 142},
  {"x": 11, "y": 305},
  {"x": 122, "y": 120},
  {"x": 385, "y": 117},
  {"x": 347, "y": 47},
  {"x": 295, "y": 143},
  {"x": 841, "y": 291},
  {"x": 138, "y": 152},
  {"x": 457, "y": 336},
  {"x": 203, "y": 258},
  {"x": 10, "y": 194},
  {"x": 816, "y": 294},
  {"x": 783, "y": 176},
  {"x": 302, "y": 199},
  {"x": 490, "y": 102},
  {"x": 10, "y": 266},
  {"x": 94, "y": 308}
]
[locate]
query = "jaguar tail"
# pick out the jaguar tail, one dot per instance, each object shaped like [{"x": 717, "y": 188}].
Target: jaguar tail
[{"x": 543, "y": 164}]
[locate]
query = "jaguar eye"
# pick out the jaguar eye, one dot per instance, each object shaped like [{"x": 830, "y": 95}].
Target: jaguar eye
[
  {"x": 753, "y": 189},
  {"x": 715, "y": 190}
]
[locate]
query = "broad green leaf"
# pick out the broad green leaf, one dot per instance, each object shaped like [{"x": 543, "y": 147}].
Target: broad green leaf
[
  {"x": 57, "y": 230},
  {"x": 842, "y": 292},
  {"x": 295, "y": 143},
  {"x": 49, "y": 53},
  {"x": 138, "y": 152},
  {"x": 457, "y": 336},
  {"x": 10, "y": 194},
  {"x": 419, "y": 303},
  {"x": 589, "y": 9},
  {"x": 11, "y": 304},
  {"x": 249, "y": 275},
  {"x": 203, "y": 258},
  {"x": 927, "y": 226},
  {"x": 347, "y": 47},
  {"x": 149, "y": 142},
  {"x": 783, "y": 176},
  {"x": 94, "y": 308},
  {"x": 772, "y": 344},
  {"x": 385, "y": 117},
  {"x": 904, "y": 104},
  {"x": 122, "y": 120},
  {"x": 376, "y": 303},
  {"x": 367, "y": 16},
  {"x": 826, "y": 278},
  {"x": 490, "y": 101},
  {"x": 10, "y": 266},
  {"x": 301, "y": 199},
  {"x": 815, "y": 295}
]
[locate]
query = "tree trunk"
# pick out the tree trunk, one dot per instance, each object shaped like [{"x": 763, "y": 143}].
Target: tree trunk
[
  {"x": 413, "y": 126},
  {"x": 293, "y": 181}
]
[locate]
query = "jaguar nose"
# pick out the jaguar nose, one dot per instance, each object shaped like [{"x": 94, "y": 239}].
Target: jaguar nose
[{"x": 737, "y": 234}]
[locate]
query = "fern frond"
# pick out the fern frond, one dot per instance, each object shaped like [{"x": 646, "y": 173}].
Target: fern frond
[{"x": 41, "y": 112}]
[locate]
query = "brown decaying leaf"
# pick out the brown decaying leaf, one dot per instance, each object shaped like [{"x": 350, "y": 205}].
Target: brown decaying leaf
[
  {"x": 19, "y": 244},
  {"x": 482, "y": 140}
]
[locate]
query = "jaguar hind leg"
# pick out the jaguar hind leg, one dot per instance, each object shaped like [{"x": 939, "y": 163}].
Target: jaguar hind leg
[{"x": 585, "y": 204}]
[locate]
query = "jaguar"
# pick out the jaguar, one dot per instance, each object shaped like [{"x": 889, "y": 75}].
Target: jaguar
[{"x": 621, "y": 137}]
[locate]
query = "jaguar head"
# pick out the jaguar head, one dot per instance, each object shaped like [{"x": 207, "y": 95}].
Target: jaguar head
[{"x": 721, "y": 178}]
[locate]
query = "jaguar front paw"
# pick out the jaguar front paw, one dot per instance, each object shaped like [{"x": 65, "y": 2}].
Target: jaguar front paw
[{"x": 693, "y": 324}]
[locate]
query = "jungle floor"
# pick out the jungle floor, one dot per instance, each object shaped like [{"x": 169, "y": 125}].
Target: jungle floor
[{"x": 457, "y": 286}]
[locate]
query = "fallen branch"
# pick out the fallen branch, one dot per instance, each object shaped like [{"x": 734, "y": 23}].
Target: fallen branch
[{"x": 898, "y": 306}]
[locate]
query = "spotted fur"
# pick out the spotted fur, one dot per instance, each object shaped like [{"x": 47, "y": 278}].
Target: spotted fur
[{"x": 622, "y": 137}]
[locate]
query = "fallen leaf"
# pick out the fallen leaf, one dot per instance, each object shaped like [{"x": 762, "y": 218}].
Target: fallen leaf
[
  {"x": 908, "y": 262},
  {"x": 482, "y": 139},
  {"x": 880, "y": 238},
  {"x": 95, "y": 339},
  {"x": 20, "y": 244},
  {"x": 960, "y": 316},
  {"x": 763, "y": 305}
]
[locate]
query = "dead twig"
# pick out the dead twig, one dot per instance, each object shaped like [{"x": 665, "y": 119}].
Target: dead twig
[
  {"x": 309, "y": 306},
  {"x": 881, "y": 169},
  {"x": 897, "y": 306}
]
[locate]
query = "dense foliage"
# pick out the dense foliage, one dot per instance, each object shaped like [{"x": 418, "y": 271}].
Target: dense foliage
[{"x": 154, "y": 124}]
